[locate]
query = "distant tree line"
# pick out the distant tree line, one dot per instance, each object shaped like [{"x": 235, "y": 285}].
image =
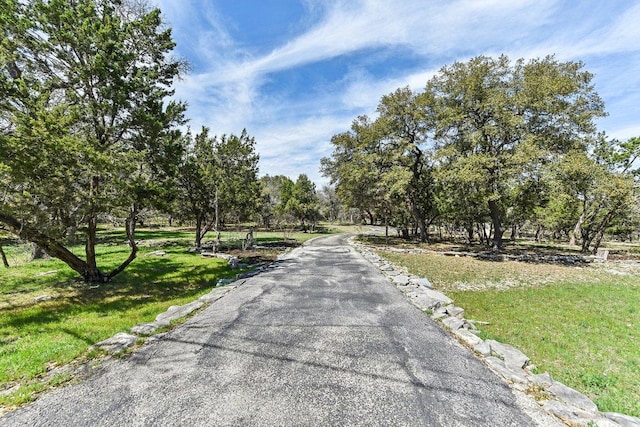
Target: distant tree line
[{"x": 491, "y": 145}]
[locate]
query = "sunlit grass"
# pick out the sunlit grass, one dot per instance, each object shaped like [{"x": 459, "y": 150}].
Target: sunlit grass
[
  {"x": 582, "y": 325},
  {"x": 38, "y": 336}
]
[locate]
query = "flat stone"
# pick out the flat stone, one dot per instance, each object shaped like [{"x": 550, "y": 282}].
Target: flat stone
[
  {"x": 386, "y": 267},
  {"x": 439, "y": 313},
  {"x": 569, "y": 413},
  {"x": 467, "y": 337},
  {"x": 428, "y": 299},
  {"x": 602, "y": 421},
  {"x": 483, "y": 348},
  {"x": 422, "y": 282},
  {"x": 513, "y": 358},
  {"x": 623, "y": 420},
  {"x": 542, "y": 380},
  {"x": 177, "y": 312},
  {"x": 572, "y": 397},
  {"x": 46, "y": 273},
  {"x": 216, "y": 294},
  {"x": 454, "y": 311},
  {"x": 43, "y": 298},
  {"x": 453, "y": 323},
  {"x": 512, "y": 375},
  {"x": 223, "y": 282},
  {"x": 391, "y": 273},
  {"x": 117, "y": 343},
  {"x": 157, "y": 253},
  {"x": 401, "y": 279},
  {"x": 10, "y": 390},
  {"x": 146, "y": 328}
]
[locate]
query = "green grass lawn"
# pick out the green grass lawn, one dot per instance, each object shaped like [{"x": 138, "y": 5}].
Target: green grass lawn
[
  {"x": 36, "y": 337},
  {"x": 582, "y": 325}
]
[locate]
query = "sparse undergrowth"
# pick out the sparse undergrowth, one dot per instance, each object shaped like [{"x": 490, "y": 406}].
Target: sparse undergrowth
[{"x": 580, "y": 324}]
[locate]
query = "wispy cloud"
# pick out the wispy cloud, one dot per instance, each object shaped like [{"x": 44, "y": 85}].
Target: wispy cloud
[{"x": 230, "y": 86}]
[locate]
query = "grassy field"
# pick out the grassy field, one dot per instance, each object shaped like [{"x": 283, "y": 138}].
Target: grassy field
[
  {"x": 580, "y": 324},
  {"x": 36, "y": 338}
]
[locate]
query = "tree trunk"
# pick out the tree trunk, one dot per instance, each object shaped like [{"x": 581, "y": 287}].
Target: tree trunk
[
  {"x": 370, "y": 217},
  {"x": 496, "y": 220},
  {"x": 90, "y": 241},
  {"x": 469, "y": 228},
  {"x": 4, "y": 257},
  {"x": 216, "y": 247},
  {"x": 514, "y": 233},
  {"x": 539, "y": 233},
  {"x": 198, "y": 240},
  {"x": 422, "y": 227},
  {"x": 49, "y": 245},
  {"x": 577, "y": 230},
  {"x": 131, "y": 230}
]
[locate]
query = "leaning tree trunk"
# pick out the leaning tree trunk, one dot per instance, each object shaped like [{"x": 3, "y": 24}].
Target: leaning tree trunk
[
  {"x": 92, "y": 273},
  {"x": 577, "y": 230},
  {"x": 48, "y": 244},
  {"x": 131, "y": 231},
  {"x": 4, "y": 257}
]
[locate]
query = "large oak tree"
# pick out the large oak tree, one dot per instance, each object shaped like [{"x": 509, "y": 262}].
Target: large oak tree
[
  {"x": 502, "y": 120},
  {"x": 86, "y": 129}
]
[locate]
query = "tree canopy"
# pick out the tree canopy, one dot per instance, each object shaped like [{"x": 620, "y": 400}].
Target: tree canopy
[
  {"x": 487, "y": 139},
  {"x": 86, "y": 125}
]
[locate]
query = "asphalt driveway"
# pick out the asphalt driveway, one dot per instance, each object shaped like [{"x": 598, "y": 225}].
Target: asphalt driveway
[{"x": 321, "y": 338}]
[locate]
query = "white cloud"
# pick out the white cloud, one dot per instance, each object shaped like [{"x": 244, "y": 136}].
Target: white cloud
[{"x": 226, "y": 91}]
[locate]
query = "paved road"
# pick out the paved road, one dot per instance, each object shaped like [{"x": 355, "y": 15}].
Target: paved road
[{"x": 320, "y": 339}]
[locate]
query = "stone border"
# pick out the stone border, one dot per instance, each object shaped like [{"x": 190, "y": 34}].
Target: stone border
[
  {"x": 123, "y": 340},
  {"x": 567, "y": 404}
]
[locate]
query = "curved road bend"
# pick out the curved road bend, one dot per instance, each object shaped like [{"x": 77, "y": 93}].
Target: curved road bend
[{"x": 322, "y": 338}]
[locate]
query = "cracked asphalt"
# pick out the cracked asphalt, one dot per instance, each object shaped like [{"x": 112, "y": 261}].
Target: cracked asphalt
[{"x": 321, "y": 338}]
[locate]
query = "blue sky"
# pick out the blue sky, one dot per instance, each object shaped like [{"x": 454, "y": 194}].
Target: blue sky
[{"x": 294, "y": 73}]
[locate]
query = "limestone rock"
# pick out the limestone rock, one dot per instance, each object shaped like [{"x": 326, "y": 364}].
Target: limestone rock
[
  {"x": 117, "y": 343},
  {"x": 513, "y": 375},
  {"x": 177, "y": 312},
  {"x": 216, "y": 294},
  {"x": 422, "y": 282},
  {"x": 483, "y": 348},
  {"x": 513, "y": 358},
  {"x": 572, "y": 397},
  {"x": 623, "y": 420},
  {"x": 43, "y": 298},
  {"x": 46, "y": 273},
  {"x": 467, "y": 337},
  {"x": 542, "y": 380},
  {"x": 439, "y": 313},
  {"x": 157, "y": 253},
  {"x": 146, "y": 328},
  {"x": 453, "y": 323},
  {"x": 454, "y": 311},
  {"x": 428, "y": 299},
  {"x": 568, "y": 413},
  {"x": 223, "y": 282},
  {"x": 401, "y": 279}
]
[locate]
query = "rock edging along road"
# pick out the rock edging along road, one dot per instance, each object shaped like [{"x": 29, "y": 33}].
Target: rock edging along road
[
  {"x": 320, "y": 338},
  {"x": 511, "y": 364}
]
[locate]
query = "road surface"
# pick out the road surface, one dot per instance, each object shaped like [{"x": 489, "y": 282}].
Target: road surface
[{"x": 322, "y": 338}]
